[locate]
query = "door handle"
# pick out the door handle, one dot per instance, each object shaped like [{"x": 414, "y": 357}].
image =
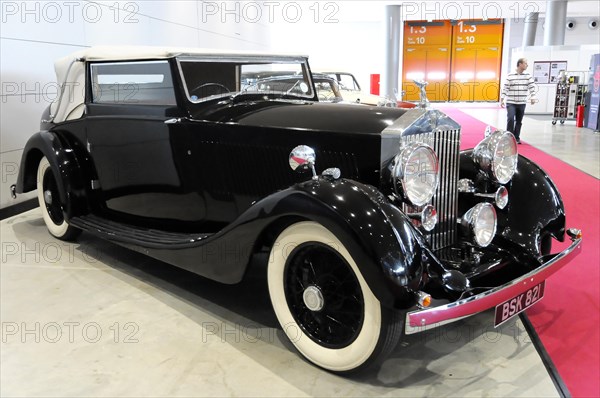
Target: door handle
[{"x": 175, "y": 120}]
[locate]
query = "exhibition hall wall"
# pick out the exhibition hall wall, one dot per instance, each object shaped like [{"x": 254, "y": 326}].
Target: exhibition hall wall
[
  {"x": 336, "y": 35},
  {"x": 35, "y": 33},
  {"x": 354, "y": 36}
]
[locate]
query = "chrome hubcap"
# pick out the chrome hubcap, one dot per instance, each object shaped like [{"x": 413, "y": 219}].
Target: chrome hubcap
[
  {"x": 48, "y": 197},
  {"x": 313, "y": 298}
]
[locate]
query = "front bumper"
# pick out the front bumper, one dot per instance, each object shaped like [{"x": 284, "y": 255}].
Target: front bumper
[{"x": 421, "y": 320}]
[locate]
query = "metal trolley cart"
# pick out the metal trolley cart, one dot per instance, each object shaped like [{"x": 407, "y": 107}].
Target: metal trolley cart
[{"x": 569, "y": 95}]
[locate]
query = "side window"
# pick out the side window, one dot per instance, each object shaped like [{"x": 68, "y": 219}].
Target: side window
[
  {"x": 349, "y": 82},
  {"x": 132, "y": 83}
]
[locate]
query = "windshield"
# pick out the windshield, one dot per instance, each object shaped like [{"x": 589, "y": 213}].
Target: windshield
[{"x": 206, "y": 79}]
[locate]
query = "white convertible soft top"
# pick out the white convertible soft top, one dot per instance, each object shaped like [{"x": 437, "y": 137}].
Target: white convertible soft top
[{"x": 70, "y": 70}]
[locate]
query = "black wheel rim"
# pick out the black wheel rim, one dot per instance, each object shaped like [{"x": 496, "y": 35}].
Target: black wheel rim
[
  {"x": 339, "y": 321},
  {"x": 53, "y": 209}
]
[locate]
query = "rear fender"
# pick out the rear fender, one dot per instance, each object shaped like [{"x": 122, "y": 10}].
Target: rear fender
[{"x": 64, "y": 165}]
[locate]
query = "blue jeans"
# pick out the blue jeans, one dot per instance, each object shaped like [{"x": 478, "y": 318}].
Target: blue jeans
[{"x": 515, "y": 114}]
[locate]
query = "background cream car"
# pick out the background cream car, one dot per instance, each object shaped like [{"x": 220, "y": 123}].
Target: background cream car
[{"x": 351, "y": 91}]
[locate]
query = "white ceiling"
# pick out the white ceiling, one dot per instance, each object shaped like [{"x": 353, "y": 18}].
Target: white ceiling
[{"x": 374, "y": 11}]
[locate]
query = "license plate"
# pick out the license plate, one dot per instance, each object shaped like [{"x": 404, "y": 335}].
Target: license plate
[{"x": 520, "y": 303}]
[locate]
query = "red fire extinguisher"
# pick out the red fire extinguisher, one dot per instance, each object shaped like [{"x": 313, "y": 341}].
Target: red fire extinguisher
[
  {"x": 375, "y": 83},
  {"x": 580, "y": 112}
]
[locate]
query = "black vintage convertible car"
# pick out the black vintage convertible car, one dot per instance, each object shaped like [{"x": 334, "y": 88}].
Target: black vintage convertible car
[{"x": 375, "y": 221}]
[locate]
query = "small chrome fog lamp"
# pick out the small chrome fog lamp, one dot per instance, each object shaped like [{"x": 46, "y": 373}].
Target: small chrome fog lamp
[
  {"x": 501, "y": 197},
  {"x": 429, "y": 217},
  {"x": 497, "y": 155},
  {"x": 481, "y": 223}
]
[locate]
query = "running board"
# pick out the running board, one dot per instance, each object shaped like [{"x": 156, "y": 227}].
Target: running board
[{"x": 125, "y": 233}]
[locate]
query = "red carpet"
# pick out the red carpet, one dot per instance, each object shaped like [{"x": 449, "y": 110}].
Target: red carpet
[{"x": 567, "y": 320}]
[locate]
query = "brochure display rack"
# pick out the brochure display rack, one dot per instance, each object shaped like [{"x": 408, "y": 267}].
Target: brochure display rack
[{"x": 569, "y": 95}]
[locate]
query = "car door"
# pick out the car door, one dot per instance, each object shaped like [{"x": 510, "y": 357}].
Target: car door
[{"x": 129, "y": 138}]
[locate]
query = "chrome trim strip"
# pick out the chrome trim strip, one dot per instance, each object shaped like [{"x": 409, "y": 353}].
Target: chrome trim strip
[
  {"x": 421, "y": 320},
  {"x": 446, "y": 201}
]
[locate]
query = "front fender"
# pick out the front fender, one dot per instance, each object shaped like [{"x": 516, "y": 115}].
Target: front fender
[
  {"x": 64, "y": 164},
  {"x": 535, "y": 208},
  {"x": 379, "y": 236},
  {"x": 381, "y": 239}
]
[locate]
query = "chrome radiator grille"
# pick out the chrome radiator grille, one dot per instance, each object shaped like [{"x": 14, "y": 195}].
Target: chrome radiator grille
[{"x": 446, "y": 144}]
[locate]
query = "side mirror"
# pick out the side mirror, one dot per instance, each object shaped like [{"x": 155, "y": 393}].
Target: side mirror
[{"x": 302, "y": 158}]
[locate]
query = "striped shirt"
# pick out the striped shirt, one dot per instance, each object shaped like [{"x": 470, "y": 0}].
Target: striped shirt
[{"x": 517, "y": 87}]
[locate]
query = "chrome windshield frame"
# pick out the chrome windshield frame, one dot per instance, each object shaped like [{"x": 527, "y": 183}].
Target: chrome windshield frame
[{"x": 249, "y": 60}]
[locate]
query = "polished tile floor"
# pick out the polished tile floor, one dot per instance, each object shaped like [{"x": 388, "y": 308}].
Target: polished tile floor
[{"x": 94, "y": 319}]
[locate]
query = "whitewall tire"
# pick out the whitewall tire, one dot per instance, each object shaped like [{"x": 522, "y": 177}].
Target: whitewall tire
[
  {"x": 323, "y": 303},
  {"x": 49, "y": 200}
]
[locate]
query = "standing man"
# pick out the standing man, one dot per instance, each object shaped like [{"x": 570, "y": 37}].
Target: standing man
[{"x": 517, "y": 88}]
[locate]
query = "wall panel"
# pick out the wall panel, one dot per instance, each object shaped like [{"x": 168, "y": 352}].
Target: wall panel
[
  {"x": 426, "y": 57},
  {"x": 476, "y": 60}
]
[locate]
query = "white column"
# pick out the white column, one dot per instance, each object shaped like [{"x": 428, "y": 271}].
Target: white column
[
  {"x": 531, "y": 22},
  {"x": 554, "y": 25},
  {"x": 393, "y": 25}
]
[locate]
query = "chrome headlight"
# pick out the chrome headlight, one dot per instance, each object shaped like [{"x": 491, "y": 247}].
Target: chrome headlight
[
  {"x": 497, "y": 155},
  {"x": 416, "y": 173},
  {"x": 481, "y": 223}
]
